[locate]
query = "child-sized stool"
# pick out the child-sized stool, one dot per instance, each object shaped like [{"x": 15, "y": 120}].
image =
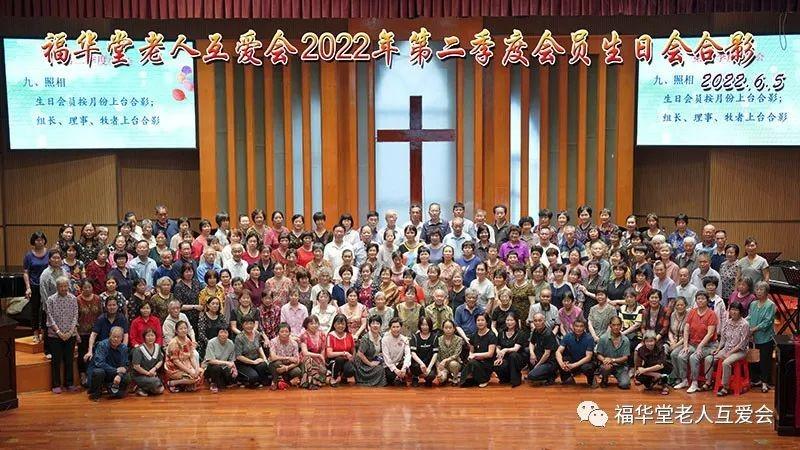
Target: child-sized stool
[{"x": 740, "y": 377}]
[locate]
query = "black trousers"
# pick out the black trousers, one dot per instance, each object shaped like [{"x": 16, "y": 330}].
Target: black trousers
[
  {"x": 587, "y": 369},
  {"x": 510, "y": 371},
  {"x": 37, "y": 317},
  {"x": 83, "y": 348},
  {"x": 545, "y": 371},
  {"x": 391, "y": 377},
  {"x": 99, "y": 377},
  {"x": 253, "y": 374},
  {"x": 416, "y": 371},
  {"x": 219, "y": 375},
  {"x": 62, "y": 352},
  {"x": 342, "y": 367},
  {"x": 762, "y": 370}
]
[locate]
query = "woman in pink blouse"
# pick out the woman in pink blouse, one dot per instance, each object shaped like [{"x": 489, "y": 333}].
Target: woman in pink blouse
[
  {"x": 312, "y": 351},
  {"x": 279, "y": 285},
  {"x": 355, "y": 312}
]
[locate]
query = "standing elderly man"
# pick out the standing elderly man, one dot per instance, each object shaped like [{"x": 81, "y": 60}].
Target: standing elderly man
[
  {"x": 164, "y": 223},
  {"x": 457, "y": 237},
  {"x": 109, "y": 367}
]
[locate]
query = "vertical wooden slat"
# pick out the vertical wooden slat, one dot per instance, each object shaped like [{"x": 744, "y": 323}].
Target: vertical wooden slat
[
  {"x": 459, "y": 130},
  {"x": 231, "y": 136},
  {"x": 347, "y": 74},
  {"x": 501, "y": 157},
  {"x": 305, "y": 76},
  {"x": 269, "y": 140},
  {"x": 288, "y": 172},
  {"x": 330, "y": 139},
  {"x": 478, "y": 145},
  {"x": 601, "y": 135},
  {"x": 371, "y": 133},
  {"x": 563, "y": 124},
  {"x": 625, "y": 116},
  {"x": 250, "y": 146},
  {"x": 525, "y": 106},
  {"x": 580, "y": 176},
  {"x": 207, "y": 142},
  {"x": 544, "y": 134}
]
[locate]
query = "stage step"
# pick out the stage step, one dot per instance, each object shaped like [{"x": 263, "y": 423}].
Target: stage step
[
  {"x": 26, "y": 345},
  {"x": 33, "y": 372}
]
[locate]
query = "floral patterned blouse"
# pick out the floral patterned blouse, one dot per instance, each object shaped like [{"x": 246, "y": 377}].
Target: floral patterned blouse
[
  {"x": 270, "y": 319},
  {"x": 88, "y": 312},
  {"x": 280, "y": 288}
]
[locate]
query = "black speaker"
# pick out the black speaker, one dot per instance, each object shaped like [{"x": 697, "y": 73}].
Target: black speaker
[{"x": 786, "y": 387}]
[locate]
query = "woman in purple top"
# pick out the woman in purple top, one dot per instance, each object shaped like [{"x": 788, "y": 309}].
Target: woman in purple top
[
  {"x": 34, "y": 263},
  {"x": 743, "y": 295}
]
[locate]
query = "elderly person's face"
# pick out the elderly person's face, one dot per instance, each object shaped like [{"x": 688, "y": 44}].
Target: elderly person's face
[
  {"x": 166, "y": 258},
  {"x": 174, "y": 310},
  {"x": 471, "y": 300},
  {"x": 545, "y": 297},
  {"x": 115, "y": 339},
  {"x": 222, "y": 335},
  {"x": 62, "y": 287},
  {"x": 708, "y": 233},
  {"x": 210, "y": 255},
  {"x": 538, "y": 322},
  {"x": 112, "y": 307},
  {"x": 439, "y": 297}
]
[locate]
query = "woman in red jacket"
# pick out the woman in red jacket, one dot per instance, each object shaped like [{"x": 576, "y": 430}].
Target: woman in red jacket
[
  {"x": 140, "y": 324},
  {"x": 97, "y": 271}
]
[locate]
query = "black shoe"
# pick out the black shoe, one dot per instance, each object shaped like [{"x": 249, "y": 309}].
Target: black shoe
[
  {"x": 428, "y": 383},
  {"x": 95, "y": 397},
  {"x": 414, "y": 382}
]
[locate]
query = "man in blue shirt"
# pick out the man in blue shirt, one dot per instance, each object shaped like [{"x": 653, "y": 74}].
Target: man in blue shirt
[
  {"x": 143, "y": 266},
  {"x": 163, "y": 222},
  {"x": 468, "y": 262},
  {"x": 574, "y": 355},
  {"x": 209, "y": 262},
  {"x": 107, "y": 321},
  {"x": 166, "y": 269},
  {"x": 466, "y": 315},
  {"x": 109, "y": 366}
]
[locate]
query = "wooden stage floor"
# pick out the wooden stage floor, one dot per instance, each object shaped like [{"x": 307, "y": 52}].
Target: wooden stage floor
[{"x": 496, "y": 417}]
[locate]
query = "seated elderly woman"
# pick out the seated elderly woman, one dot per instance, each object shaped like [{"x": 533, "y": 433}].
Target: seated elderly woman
[
  {"x": 109, "y": 366},
  {"x": 219, "y": 362},
  {"x": 396, "y": 353},
  {"x": 251, "y": 363},
  {"x": 699, "y": 335},
  {"x": 146, "y": 360},
  {"x": 369, "y": 370},
  {"x": 652, "y": 365},
  {"x": 512, "y": 350},
  {"x": 478, "y": 368},
  {"x": 182, "y": 368},
  {"x": 284, "y": 358},
  {"x": 732, "y": 346},
  {"x": 450, "y": 346},
  {"x": 312, "y": 349},
  {"x": 424, "y": 352}
]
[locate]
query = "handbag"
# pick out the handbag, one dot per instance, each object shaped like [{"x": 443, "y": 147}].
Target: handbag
[{"x": 753, "y": 355}]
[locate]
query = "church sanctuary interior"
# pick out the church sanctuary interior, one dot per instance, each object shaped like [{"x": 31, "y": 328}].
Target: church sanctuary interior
[{"x": 400, "y": 224}]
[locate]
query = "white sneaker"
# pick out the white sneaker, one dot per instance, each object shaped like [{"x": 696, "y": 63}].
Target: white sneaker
[
  {"x": 681, "y": 385},
  {"x": 692, "y": 389}
]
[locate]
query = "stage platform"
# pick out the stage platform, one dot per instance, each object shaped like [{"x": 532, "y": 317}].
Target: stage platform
[{"x": 496, "y": 417}]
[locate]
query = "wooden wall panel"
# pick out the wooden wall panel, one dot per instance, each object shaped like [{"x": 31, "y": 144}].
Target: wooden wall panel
[
  {"x": 626, "y": 118},
  {"x": 669, "y": 181},
  {"x": 499, "y": 158},
  {"x": 47, "y": 187},
  {"x": 754, "y": 184},
  {"x": 18, "y": 243},
  {"x": 207, "y": 138},
  {"x": 771, "y": 236},
  {"x": 168, "y": 178}
]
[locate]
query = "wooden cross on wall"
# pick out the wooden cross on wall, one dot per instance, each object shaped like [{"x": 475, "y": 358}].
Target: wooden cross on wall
[{"x": 415, "y": 136}]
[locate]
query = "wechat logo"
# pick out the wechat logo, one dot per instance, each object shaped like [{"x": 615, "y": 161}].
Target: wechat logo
[{"x": 591, "y": 412}]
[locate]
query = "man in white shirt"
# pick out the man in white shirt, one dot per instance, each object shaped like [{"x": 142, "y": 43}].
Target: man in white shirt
[
  {"x": 545, "y": 234},
  {"x": 457, "y": 237},
  {"x": 415, "y": 214},
  {"x": 480, "y": 219},
  {"x": 143, "y": 266},
  {"x": 686, "y": 289},
  {"x": 360, "y": 249},
  {"x": 334, "y": 249},
  {"x": 372, "y": 221},
  {"x": 469, "y": 226},
  {"x": 237, "y": 266},
  {"x": 703, "y": 270},
  {"x": 391, "y": 224}
]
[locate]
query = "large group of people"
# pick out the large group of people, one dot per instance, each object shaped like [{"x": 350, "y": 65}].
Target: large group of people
[{"x": 155, "y": 306}]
